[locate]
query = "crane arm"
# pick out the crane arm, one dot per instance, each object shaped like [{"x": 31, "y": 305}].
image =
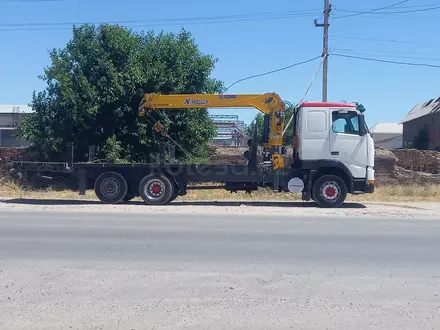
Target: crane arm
[
  {"x": 270, "y": 104},
  {"x": 266, "y": 103}
]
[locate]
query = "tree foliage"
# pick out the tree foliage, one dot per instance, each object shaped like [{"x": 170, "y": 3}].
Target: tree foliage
[
  {"x": 259, "y": 120},
  {"x": 95, "y": 84}
]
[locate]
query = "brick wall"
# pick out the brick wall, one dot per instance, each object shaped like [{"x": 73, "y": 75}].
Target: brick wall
[
  {"x": 403, "y": 167},
  {"x": 418, "y": 160}
]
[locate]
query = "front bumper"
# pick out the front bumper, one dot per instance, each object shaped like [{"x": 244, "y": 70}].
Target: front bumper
[
  {"x": 369, "y": 187},
  {"x": 361, "y": 186}
]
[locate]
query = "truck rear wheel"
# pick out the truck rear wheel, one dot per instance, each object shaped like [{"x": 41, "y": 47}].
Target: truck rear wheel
[
  {"x": 156, "y": 189},
  {"x": 111, "y": 187},
  {"x": 329, "y": 191}
]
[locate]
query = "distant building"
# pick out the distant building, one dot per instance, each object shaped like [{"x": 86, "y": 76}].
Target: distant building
[
  {"x": 10, "y": 117},
  {"x": 421, "y": 126},
  {"x": 231, "y": 132},
  {"x": 387, "y": 135}
]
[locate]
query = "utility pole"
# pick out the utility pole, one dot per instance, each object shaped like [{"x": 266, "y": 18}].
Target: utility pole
[{"x": 327, "y": 9}]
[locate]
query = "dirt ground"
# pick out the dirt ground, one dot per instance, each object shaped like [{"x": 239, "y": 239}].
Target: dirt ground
[{"x": 271, "y": 207}]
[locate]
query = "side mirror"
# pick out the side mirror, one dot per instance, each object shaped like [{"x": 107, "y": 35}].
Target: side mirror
[{"x": 362, "y": 125}]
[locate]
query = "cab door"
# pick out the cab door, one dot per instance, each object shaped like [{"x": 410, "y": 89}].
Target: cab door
[{"x": 346, "y": 144}]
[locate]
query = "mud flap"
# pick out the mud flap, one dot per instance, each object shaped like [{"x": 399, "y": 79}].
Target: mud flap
[
  {"x": 82, "y": 179},
  {"x": 307, "y": 193}
]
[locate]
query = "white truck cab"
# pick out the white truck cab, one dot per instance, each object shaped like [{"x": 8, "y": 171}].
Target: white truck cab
[{"x": 333, "y": 145}]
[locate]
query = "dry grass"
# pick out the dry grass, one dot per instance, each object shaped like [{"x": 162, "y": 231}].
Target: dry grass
[
  {"x": 402, "y": 193},
  {"x": 429, "y": 193}
]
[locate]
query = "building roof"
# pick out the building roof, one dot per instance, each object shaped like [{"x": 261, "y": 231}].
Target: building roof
[
  {"x": 387, "y": 128},
  {"x": 421, "y": 110},
  {"x": 15, "y": 108}
]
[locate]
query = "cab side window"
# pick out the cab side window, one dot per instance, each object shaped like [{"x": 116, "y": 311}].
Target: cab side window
[{"x": 345, "y": 123}]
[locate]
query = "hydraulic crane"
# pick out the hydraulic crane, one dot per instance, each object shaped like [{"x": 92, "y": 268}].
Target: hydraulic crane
[
  {"x": 270, "y": 104},
  {"x": 333, "y": 156}
]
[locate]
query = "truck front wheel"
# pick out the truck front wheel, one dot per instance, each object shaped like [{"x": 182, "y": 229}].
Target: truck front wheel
[
  {"x": 156, "y": 189},
  {"x": 329, "y": 191},
  {"x": 111, "y": 187}
]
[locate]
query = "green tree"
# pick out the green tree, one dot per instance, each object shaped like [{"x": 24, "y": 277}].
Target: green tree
[
  {"x": 259, "y": 120},
  {"x": 94, "y": 87}
]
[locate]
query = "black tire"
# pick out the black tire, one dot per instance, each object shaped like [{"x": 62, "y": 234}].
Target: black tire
[
  {"x": 174, "y": 197},
  {"x": 129, "y": 196},
  {"x": 156, "y": 189},
  {"x": 111, "y": 187},
  {"x": 329, "y": 191}
]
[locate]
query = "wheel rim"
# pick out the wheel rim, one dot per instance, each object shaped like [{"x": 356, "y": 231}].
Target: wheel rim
[
  {"x": 154, "y": 189},
  {"x": 330, "y": 191},
  {"x": 110, "y": 187}
]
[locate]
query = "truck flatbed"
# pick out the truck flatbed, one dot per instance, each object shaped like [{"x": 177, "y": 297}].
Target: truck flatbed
[{"x": 85, "y": 175}]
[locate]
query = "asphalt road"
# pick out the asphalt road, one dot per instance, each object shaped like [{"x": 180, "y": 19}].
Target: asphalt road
[{"x": 128, "y": 271}]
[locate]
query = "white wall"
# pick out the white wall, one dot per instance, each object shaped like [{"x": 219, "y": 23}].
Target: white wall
[
  {"x": 390, "y": 144},
  {"x": 384, "y": 136}
]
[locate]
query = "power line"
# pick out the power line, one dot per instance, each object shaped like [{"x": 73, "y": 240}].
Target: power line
[
  {"x": 273, "y": 71},
  {"x": 399, "y": 17},
  {"x": 33, "y": 1},
  {"x": 390, "y": 12},
  {"x": 170, "y": 21},
  {"x": 307, "y": 91},
  {"x": 372, "y": 10},
  {"x": 417, "y": 6},
  {"x": 425, "y": 43},
  {"x": 159, "y": 22},
  {"x": 149, "y": 25},
  {"x": 277, "y": 14},
  {"x": 393, "y": 56},
  {"x": 392, "y": 53},
  {"x": 394, "y": 14},
  {"x": 387, "y": 61}
]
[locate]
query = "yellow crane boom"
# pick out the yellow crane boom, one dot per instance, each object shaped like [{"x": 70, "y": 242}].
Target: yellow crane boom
[{"x": 270, "y": 104}]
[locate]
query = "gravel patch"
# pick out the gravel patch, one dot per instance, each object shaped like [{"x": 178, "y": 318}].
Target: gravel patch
[{"x": 272, "y": 208}]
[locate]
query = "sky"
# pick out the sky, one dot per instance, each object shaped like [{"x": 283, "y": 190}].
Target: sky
[{"x": 250, "y": 37}]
